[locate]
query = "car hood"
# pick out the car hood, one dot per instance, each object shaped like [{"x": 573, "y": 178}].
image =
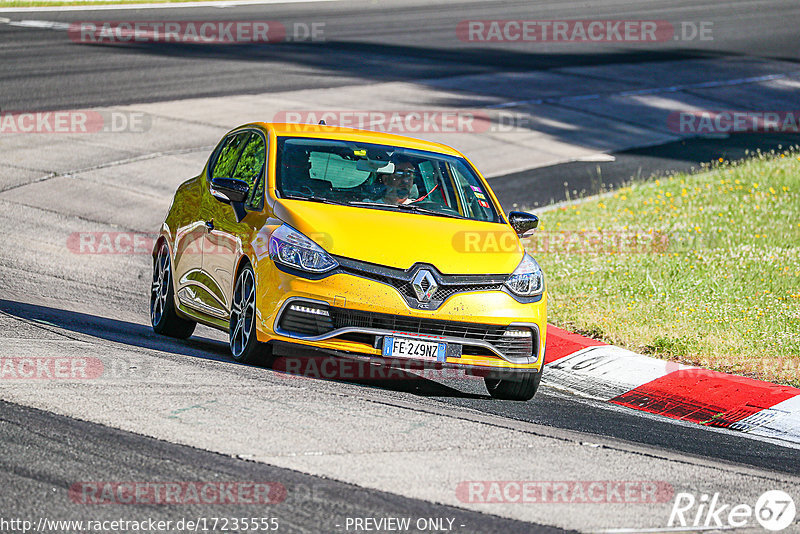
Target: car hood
[{"x": 398, "y": 239}]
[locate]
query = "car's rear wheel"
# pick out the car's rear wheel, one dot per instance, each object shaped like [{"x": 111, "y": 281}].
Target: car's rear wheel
[
  {"x": 163, "y": 316},
  {"x": 520, "y": 388},
  {"x": 245, "y": 346}
]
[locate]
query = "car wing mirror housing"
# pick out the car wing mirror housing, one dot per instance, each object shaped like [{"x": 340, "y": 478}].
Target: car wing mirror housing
[
  {"x": 231, "y": 191},
  {"x": 522, "y": 222}
]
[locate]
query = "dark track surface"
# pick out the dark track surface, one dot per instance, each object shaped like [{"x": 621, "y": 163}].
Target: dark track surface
[
  {"x": 43, "y": 454},
  {"x": 364, "y": 42}
]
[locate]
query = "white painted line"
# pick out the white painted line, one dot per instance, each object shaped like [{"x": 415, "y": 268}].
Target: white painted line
[
  {"x": 41, "y": 24},
  {"x": 596, "y": 157},
  {"x": 115, "y": 7},
  {"x": 781, "y": 421}
]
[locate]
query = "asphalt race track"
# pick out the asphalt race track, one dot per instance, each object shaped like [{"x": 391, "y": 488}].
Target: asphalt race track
[{"x": 342, "y": 449}]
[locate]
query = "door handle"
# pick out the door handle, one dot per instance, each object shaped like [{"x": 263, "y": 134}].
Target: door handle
[{"x": 210, "y": 225}]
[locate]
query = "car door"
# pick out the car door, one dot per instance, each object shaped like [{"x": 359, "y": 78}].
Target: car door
[
  {"x": 190, "y": 231},
  {"x": 223, "y": 242},
  {"x": 195, "y": 288}
]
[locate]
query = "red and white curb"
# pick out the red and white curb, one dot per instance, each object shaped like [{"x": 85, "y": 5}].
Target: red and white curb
[{"x": 604, "y": 372}]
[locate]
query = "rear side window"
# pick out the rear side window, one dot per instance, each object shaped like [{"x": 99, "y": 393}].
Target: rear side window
[
  {"x": 250, "y": 167},
  {"x": 225, "y": 164},
  {"x": 243, "y": 156}
]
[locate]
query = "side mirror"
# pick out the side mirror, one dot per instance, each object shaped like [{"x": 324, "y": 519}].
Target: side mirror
[
  {"x": 235, "y": 190},
  {"x": 231, "y": 191},
  {"x": 522, "y": 222}
]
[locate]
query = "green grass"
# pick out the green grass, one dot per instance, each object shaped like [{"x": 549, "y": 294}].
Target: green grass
[{"x": 703, "y": 269}]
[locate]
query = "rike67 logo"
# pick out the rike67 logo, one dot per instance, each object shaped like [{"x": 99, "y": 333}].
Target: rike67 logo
[{"x": 774, "y": 510}]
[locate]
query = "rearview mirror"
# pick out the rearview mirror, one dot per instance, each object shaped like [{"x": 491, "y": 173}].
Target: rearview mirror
[
  {"x": 522, "y": 222},
  {"x": 231, "y": 191},
  {"x": 373, "y": 165}
]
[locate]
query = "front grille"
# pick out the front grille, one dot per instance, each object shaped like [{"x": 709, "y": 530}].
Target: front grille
[
  {"x": 444, "y": 292},
  {"x": 297, "y": 322},
  {"x": 449, "y": 285},
  {"x": 513, "y": 348}
]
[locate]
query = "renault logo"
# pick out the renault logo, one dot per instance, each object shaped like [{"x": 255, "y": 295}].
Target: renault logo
[{"x": 424, "y": 285}]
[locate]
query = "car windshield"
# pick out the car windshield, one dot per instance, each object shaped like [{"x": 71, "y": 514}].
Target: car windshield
[{"x": 381, "y": 177}]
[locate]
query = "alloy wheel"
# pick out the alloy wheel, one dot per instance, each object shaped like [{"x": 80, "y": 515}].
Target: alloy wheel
[{"x": 243, "y": 313}]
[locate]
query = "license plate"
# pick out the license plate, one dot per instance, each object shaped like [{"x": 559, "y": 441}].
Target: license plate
[{"x": 403, "y": 347}]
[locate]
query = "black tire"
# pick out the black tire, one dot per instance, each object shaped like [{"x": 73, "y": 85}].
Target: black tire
[
  {"x": 163, "y": 316},
  {"x": 518, "y": 388},
  {"x": 245, "y": 347}
]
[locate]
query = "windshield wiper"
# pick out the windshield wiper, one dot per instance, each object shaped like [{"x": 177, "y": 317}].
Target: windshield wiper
[
  {"x": 407, "y": 207},
  {"x": 396, "y": 207},
  {"x": 322, "y": 200}
]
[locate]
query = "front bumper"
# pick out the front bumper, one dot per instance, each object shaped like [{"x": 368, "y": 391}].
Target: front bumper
[{"x": 363, "y": 311}]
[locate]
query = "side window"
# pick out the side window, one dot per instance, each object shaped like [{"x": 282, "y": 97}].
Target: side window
[
  {"x": 225, "y": 164},
  {"x": 476, "y": 202},
  {"x": 249, "y": 167}
]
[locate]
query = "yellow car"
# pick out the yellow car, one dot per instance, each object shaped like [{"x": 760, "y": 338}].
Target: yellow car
[{"x": 361, "y": 244}]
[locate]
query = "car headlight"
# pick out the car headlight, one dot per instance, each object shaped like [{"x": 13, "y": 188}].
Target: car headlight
[
  {"x": 290, "y": 247},
  {"x": 527, "y": 279}
]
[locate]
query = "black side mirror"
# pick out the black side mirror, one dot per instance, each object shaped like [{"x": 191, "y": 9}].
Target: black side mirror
[
  {"x": 231, "y": 191},
  {"x": 522, "y": 222}
]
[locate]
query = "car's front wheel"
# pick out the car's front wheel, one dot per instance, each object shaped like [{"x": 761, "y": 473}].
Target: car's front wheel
[
  {"x": 245, "y": 347},
  {"x": 520, "y": 388},
  {"x": 163, "y": 316}
]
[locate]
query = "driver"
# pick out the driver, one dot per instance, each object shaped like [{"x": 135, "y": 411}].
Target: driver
[{"x": 398, "y": 184}]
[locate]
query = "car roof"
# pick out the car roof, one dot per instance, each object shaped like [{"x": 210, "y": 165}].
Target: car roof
[{"x": 352, "y": 134}]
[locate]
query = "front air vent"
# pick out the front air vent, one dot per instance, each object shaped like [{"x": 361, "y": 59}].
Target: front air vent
[{"x": 306, "y": 318}]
